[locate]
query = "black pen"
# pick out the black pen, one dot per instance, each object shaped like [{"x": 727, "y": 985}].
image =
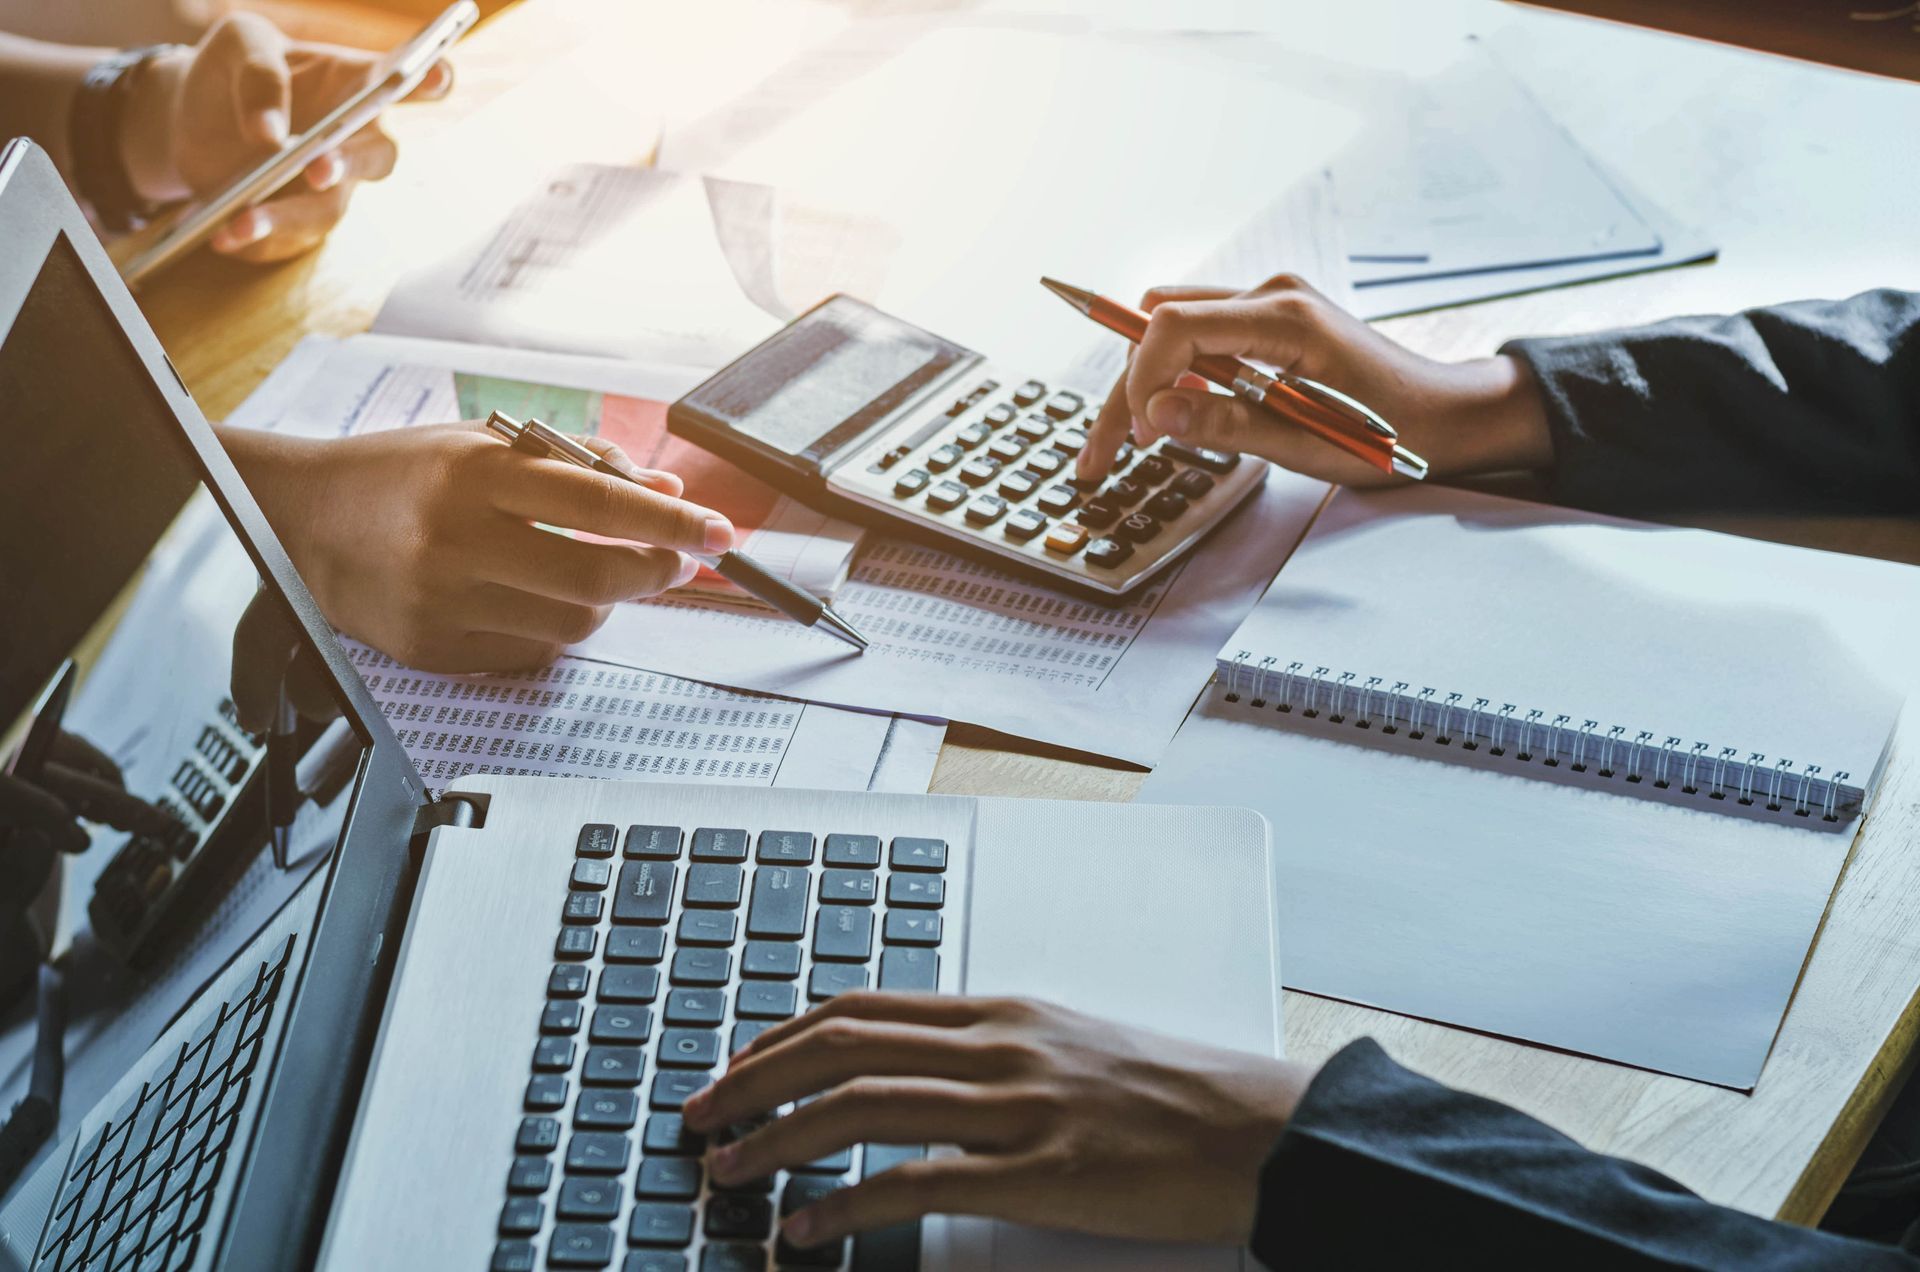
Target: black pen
[
  {"x": 536, "y": 438},
  {"x": 283, "y": 787}
]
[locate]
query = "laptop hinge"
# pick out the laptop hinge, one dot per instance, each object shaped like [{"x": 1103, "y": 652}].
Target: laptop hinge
[{"x": 457, "y": 809}]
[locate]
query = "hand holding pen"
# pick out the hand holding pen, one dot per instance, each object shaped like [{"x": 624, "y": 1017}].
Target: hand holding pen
[{"x": 1459, "y": 417}]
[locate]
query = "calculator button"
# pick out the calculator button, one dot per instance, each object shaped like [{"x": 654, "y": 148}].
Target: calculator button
[
  {"x": 1066, "y": 538},
  {"x": 944, "y": 458},
  {"x": 1070, "y": 441},
  {"x": 960, "y": 407},
  {"x": 1057, "y": 501},
  {"x": 1126, "y": 492},
  {"x": 911, "y": 482},
  {"x": 1000, "y": 416},
  {"x": 1007, "y": 449},
  {"x": 1108, "y": 552},
  {"x": 946, "y": 495},
  {"x": 1024, "y": 525},
  {"x": 1046, "y": 462},
  {"x": 972, "y": 435},
  {"x": 1138, "y": 528},
  {"x": 986, "y": 510},
  {"x": 1200, "y": 457},
  {"x": 1017, "y": 486},
  {"x": 1062, "y": 404},
  {"x": 1029, "y": 393},
  {"x": 1166, "y": 505},
  {"x": 1098, "y": 514},
  {"x": 981, "y": 390},
  {"x": 978, "y": 472},
  {"x": 1192, "y": 484},
  {"x": 1152, "y": 470},
  {"x": 1034, "y": 428},
  {"x": 886, "y": 461}
]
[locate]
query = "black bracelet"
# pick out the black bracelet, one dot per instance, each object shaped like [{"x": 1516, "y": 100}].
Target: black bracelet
[{"x": 93, "y": 138}]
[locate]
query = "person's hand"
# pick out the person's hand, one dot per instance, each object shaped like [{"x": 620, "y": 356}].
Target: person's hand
[
  {"x": 426, "y": 542},
  {"x": 198, "y": 119},
  {"x": 1063, "y": 1120},
  {"x": 1463, "y": 417}
]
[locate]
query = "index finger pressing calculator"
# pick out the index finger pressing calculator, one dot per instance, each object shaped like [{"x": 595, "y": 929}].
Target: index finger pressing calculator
[{"x": 863, "y": 415}]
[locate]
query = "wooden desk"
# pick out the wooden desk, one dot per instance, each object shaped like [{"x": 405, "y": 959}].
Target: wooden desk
[{"x": 1791, "y": 167}]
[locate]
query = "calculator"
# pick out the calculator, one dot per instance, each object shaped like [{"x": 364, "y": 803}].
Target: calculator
[{"x": 860, "y": 414}]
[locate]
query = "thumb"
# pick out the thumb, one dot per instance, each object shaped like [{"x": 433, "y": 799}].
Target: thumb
[{"x": 260, "y": 79}]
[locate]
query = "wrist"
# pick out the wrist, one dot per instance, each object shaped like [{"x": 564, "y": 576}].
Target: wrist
[
  {"x": 146, "y": 128},
  {"x": 278, "y": 475},
  {"x": 1495, "y": 420}
]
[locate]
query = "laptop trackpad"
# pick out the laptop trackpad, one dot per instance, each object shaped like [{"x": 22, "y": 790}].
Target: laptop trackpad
[{"x": 1154, "y": 916}]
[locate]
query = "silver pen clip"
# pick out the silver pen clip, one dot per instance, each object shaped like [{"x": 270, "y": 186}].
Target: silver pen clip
[{"x": 1339, "y": 402}]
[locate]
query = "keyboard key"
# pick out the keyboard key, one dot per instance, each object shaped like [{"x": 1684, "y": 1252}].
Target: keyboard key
[
  {"x": 1034, "y": 428},
  {"x": 597, "y": 1153},
  {"x": 1166, "y": 506},
  {"x": 1098, "y": 514},
  {"x": 1064, "y": 403},
  {"x": 914, "y": 853},
  {"x": 1126, "y": 492},
  {"x": 671, "y": 1087},
  {"x": 688, "y": 1049},
  {"x": 582, "y": 907},
  {"x": 1058, "y": 500},
  {"x": 521, "y": 1216},
  {"x": 779, "y": 906},
  {"x": 584, "y": 1197},
  {"x": 659, "y": 1224},
  {"x": 909, "y": 970},
  {"x": 567, "y": 980},
  {"x": 606, "y": 1111},
  {"x": 613, "y": 1067},
  {"x": 624, "y": 984},
  {"x": 978, "y": 472},
  {"x": 920, "y": 891},
  {"x": 1213, "y": 461},
  {"x": 529, "y": 1175},
  {"x": 985, "y": 510},
  {"x": 1191, "y": 484},
  {"x": 944, "y": 457},
  {"x": 715, "y": 886},
  {"x": 971, "y": 436},
  {"x": 849, "y": 887},
  {"x": 546, "y": 1092},
  {"x": 829, "y": 979},
  {"x": 803, "y": 1190},
  {"x": 1138, "y": 528},
  {"x": 553, "y": 1055},
  {"x": 669, "y": 1178},
  {"x": 770, "y": 960},
  {"x": 1067, "y": 539},
  {"x": 910, "y": 483},
  {"x": 1029, "y": 393},
  {"x": 744, "y": 1032},
  {"x": 645, "y": 893},
  {"x": 785, "y": 848},
  {"x": 1007, "y": 449},
  {"x": 1025, "y": 525},
  {"x": 654, "y": 1261},
  {"x": 636, "y": 945},
  {"x": 1017, "y": 486},
  {"x": 947, "y": 495},
  {"x": 999, "y": 416},
  {"x": 701, "y": 967},
  {"x": 732, "y": 1256},
  {"x": 575, "y": 943},
  {"x": 659, "y": 843},
  {"x": 702, "y": 1007},
  {"x": 537, "y": 1135},
  {"x": 1070, "y": 441},
  {"x": 1108, "y": 553},
  {"x": 666, "y": 1134},
  {"x": 843, "y": 934},
  {"x": 711, "y": 843},
  {"x": 765, "y": 1000},
  {"x": 561, "y": 1017},
  {"x": 853, "y": 850},
  {"x": 580, "y": 1245},
  {"x": 733, "y": 1214},
  {"x": 1046, "y": 463},
  {"x": 508, "y": 1256},
  {"x": 1154, "y": 469},
  {"x": 595, "y": 841},
  {"x": 708, "y": 927},
  {"x": 908, "y": 928},
  {"x": 620, "y": 1025},
  {"x": 832, "y": 1164},
  {"x": 592, "y": 875}
]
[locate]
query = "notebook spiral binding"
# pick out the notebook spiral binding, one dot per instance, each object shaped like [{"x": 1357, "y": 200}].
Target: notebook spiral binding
[{"x": 1475, "y": 724}]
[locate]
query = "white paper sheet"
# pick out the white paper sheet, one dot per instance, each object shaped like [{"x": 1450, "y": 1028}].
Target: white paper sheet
[
  {"x": 1655, "y": 936},
  {"x": 959, "y": 640}
]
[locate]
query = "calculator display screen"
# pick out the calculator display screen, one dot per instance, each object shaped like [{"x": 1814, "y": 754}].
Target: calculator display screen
[{"x": 826, "y": 379}]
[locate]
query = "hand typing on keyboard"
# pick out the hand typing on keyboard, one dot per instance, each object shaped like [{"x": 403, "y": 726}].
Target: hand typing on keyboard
[{"x": 1063, "y": 1120}]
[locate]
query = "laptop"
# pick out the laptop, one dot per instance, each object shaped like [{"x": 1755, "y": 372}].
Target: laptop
[{"x": 456, "y": 1032}]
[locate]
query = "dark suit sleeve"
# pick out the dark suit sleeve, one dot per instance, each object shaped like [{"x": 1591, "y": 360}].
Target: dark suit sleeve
[
  {"x": 1807, "y": 407},
  {"x": 1383, "y": 1168}
]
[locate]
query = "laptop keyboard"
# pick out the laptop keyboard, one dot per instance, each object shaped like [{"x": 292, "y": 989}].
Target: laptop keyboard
[
  {"x": 139, "y": 1191},
  {"x": 674, "y": 949}
]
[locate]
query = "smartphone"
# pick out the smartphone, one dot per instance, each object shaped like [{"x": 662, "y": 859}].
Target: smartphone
[{"x": 399, "y": 75}]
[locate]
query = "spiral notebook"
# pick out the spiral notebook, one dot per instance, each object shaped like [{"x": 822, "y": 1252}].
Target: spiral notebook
[{"x": 1716, "y": 711}]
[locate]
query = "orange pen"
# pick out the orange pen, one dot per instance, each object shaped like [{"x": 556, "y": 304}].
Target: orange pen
[{"x": 1327, "y": 413}]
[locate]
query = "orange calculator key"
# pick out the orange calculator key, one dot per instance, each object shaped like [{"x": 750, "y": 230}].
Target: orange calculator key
[{"x": 1067, "y": 539}]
